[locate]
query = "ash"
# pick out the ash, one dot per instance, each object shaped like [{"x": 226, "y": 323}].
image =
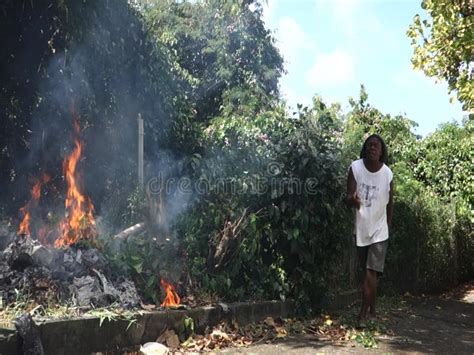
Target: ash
[{"x": 76, "y": 275}]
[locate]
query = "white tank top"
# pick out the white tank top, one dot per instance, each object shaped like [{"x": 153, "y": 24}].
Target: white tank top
[{"x": 373, "y": 189}]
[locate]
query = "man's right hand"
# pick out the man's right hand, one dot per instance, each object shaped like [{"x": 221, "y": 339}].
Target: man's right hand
[{"x": 355, "y": 200}]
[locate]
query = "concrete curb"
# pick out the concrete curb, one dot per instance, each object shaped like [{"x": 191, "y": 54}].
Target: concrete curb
[
  {"x": 342, "y": 300},
  {"x": 87, "y": 335}
]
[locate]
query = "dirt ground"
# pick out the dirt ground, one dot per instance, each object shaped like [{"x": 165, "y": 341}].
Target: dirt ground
[{"x": 427, "y": 324}]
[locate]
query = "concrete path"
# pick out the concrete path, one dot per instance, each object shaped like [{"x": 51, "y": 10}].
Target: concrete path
[{"x": 443, "y": 324}]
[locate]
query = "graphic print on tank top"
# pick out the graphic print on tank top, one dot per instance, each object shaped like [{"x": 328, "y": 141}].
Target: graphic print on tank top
[{"x": 367, "y": 194}]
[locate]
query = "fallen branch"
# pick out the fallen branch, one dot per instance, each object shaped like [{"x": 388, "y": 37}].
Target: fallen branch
[
  {"x": 224, "y": 246},
  {"x": 131, "y": 231}
]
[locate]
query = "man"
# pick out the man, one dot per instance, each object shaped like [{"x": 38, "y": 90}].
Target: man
[{"x": 370, "y": 193}]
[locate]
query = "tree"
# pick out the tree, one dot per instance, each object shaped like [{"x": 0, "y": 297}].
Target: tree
[
  {"x": 444, "y": 45},
  {"x": 217, "y": 46},
  {"x": 446, "y": 166}
]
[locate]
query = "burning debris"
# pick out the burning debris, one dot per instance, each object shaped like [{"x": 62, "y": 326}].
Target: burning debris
[
  {"x": 78, "y": 223},
  {"x": 46, "y": 274},
  {"x": 47, "y": 262},
  {"x": 172, "y": 299},
  {"x": 26, "y": 211},
  {"x": 74, "y": 275},
  {"x": 66, "y": 272}
]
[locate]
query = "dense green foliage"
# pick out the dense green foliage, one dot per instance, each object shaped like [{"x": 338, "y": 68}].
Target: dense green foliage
[
  {"x": 287, "y": 173},
  {"x": 223, "y": 52},
  {"x": 443, "y": 45},
  {"x": 264, "y": 217}
]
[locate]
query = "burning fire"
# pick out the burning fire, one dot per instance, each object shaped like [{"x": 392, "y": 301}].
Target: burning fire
[
  {"x": 79, "y": 222},
  {"x": 26, "y": 210},
  {"x": 172, "y": 299},
  {"x": 24, "y": 228}
]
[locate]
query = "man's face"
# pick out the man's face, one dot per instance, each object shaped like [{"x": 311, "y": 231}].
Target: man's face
[{"x": 374, "y": 149}]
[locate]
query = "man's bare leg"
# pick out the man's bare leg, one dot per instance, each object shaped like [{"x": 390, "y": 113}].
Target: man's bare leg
[
  {"x": 368, "y": 295},
  {"x": 372, "y": 313}
]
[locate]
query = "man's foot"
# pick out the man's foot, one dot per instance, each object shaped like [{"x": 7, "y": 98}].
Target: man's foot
[{"x": 361, "y": 323}]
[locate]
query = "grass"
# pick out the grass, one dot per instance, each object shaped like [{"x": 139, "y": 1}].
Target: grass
[{"x": 23, "y": 304}]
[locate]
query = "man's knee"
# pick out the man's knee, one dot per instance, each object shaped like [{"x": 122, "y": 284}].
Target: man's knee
[
  {"x": 371, "y": 275},
  {"x": 370, "y": 271}
]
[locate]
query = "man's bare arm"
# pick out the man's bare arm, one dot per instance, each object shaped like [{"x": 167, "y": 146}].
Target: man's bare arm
[
  {"x": 390, "y": 205},
  {"x": 352, "y": 199}
]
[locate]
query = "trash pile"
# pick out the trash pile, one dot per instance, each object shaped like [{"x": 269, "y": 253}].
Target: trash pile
[{"x": 78, "y": 276}]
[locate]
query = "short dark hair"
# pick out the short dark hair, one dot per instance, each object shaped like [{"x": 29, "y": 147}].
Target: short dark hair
[{"x": 383, "y": 157}]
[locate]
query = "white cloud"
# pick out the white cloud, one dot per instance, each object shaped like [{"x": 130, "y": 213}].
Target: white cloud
[
  {"x": 331, "y": 69},
  {"x": 343, "y": 10},
  {"x": 288, "y": 94},
  {"x": 345, "y": 7},
  {"x": 355, "y": 18},
  {"x": 292, "y": 98},
  {"x": 409, "y": 78},
  {"x": 268, "y": 14},
  {"x": 292, "y": 40}
]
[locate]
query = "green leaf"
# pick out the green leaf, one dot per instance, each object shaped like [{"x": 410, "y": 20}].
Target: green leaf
[
  {"x": 138, "y": 267},
  {"x": 151, "y": 281}
]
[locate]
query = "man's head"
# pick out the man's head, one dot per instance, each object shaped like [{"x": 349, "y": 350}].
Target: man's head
[{"x": 374, "y": 148}]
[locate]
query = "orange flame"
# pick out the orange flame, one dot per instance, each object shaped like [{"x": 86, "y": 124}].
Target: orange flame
[
  {"x": 24, "y": 228},
  {"x": 172, "y": 299},
  {"x": 79, "y": 222}
]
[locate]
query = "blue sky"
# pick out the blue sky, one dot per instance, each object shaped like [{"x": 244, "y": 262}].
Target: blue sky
[{"x": 332, "y": 46}]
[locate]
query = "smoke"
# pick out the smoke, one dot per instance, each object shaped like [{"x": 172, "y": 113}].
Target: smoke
[
  {"x": 101, "y": 60},
  {"x": 96, "y": 57}
]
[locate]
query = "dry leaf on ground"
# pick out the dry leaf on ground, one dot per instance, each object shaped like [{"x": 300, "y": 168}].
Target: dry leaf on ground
[{"x": 169, "y": 338}]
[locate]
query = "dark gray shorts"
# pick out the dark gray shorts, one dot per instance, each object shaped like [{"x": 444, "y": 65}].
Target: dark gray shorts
[{"x": 373, "y": 256}]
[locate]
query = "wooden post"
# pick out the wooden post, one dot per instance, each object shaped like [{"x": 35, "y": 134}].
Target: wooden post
[{"x": 141, "y": 134}]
